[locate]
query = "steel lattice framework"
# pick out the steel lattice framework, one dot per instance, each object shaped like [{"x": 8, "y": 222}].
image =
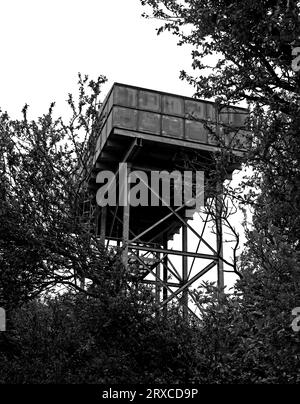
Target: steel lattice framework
[{"x": 154, "y": 131}]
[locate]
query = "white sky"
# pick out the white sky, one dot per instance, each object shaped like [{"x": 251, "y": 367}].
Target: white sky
[{"x": 46, "y": 43}]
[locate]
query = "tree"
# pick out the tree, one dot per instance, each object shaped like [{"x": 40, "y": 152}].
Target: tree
[
  {"x": 43, "y": 164},
  {"x": 252, "y": 43}
]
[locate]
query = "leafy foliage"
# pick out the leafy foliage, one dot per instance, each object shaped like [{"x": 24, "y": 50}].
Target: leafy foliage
[{"x": 42, "y": 243}]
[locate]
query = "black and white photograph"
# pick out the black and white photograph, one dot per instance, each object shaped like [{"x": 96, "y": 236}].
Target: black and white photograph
[{"x": 149, "y": 196}]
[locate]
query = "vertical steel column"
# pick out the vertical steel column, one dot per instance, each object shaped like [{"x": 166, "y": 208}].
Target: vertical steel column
[
  {"x": 157, "y": 285},
  {"x": 184, "y": 271},
  {"x": 165, "y": 273},
  {"x": 220, "y": 265},
  {"x": 126, "y": 221}
]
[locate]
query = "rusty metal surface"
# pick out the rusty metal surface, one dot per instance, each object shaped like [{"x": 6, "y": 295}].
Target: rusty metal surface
[{"x": 170, "y": 116}]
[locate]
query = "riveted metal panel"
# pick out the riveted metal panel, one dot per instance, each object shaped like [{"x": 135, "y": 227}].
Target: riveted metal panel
[
  {"x": 104, "y": 111},
  {"x": 224, "y": 116},
  {"x": 103, "y": 136},
  {"x": 109, "y": 123},
  {"x": 149, "y": 101},
  {"x": 98, "y": 143},
  {"x": 125, "y": 118},
  {"x": 196, "y": 131},
  {"x": 155, "y": 113},
  {"x": 110, "y": 102},
  {"x": 172, "y": 105},
  {"x": 149, "y": 122},
  {"x": 210, "y": 112},
  {"x": 125, "y": 96},
  {"x": 172, "y": 126},
  {"x": 237, "y": 117},
  {"x": 195, "y": 109}
]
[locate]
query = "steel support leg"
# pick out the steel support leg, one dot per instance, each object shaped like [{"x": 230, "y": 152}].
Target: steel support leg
[
  {"x": 165, "y": 273},
  {"x": 157, "y": 285},
  {"x": 126, "y": 222},
  {"x": 184, "y": 272},
  {"x": 220, "y": 262}
]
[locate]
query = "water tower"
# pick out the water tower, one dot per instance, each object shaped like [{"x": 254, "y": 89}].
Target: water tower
[{"x": 153, "y": 131}]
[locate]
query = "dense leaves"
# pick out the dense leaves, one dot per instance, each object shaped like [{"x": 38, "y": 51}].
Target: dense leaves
[
  {"x": 42, "y": 242},
  {"x": 79, "y": 339}
]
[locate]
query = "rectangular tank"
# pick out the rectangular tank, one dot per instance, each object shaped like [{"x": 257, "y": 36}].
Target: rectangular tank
[{"x": 142, "y": 111}]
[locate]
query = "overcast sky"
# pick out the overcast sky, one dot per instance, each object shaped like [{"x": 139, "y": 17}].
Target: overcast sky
[{"x": 45, "y": 43}]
